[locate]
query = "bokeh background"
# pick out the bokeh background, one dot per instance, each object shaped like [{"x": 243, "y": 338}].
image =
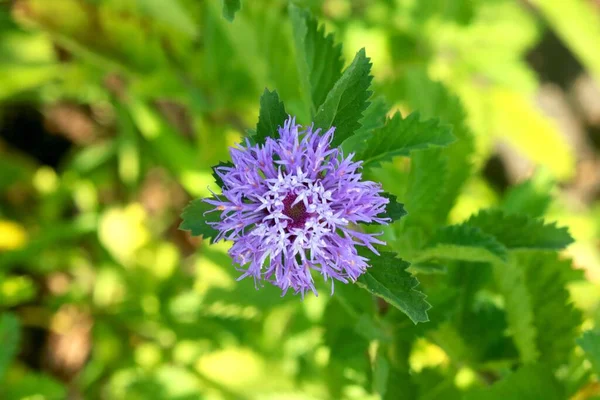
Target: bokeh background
[{"x": 113, "y": 111}]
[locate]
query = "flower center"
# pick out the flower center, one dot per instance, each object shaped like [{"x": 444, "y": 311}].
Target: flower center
[{"x": 297, "y": 212}]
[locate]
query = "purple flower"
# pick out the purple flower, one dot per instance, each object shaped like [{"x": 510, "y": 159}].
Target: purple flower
[{"x": 291, "y": 206}]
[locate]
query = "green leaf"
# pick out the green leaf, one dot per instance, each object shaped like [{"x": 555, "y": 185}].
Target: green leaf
[
  {"x": 533, "y": 284},
  {"x": 546, "y": 277},
  {"x": 388, "y": 279},
  {"x": 272, "y": 116},
  {"x": 401, "y": 136},
  {"x": 519, "y": 231},
  {"x": 531, "y": 382},
  {"x": 433, "y": 100},
  {"x": 463, "y": 242},
  {"x": 230, "y": 7},
  {"x": 373, "y": 118},
  {"x": 318, "y": 59},
  {"x": 529, "y": 198},
  {"x": 393, "y": 209},
  {"x": 518, "y": 306},
  {"x": 9, "y": 337},
  {"x": 426, "y": 187},
  {"x": 195, "y": 220},
  {"x": 590, "y": 343},
  {"x": 218, "y": 179},
  {"x": 347, "y": 100}
]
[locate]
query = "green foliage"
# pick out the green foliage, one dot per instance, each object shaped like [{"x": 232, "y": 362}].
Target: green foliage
[
  {"x": 546, "y": 277},
  {"x": 433, "y": 100},
  {"x": 216, "y": 176},
  {"x": 195, "y": 217},
  {"x": 528, "y": 383},
  {"x": 521, "y": 232},
  {"x": 529, "y": 198},
  {"x": 230, "y": 7},
  {"x": 388, "y": 279},
  {"x": 426, "y": 188},
  {"x": 518, "y": 306},
  {"x": 463, "y": 242},
  {"x": 272, "y": 116},
  {"x": 127, "y": 108},
  {"x": 346, "y": 101},
  {"x": 590, "y": 343},
  {"x": 401, "y": 136},
  {"x": 393, "y": 209},
  {"x": 318, "y": 59}
]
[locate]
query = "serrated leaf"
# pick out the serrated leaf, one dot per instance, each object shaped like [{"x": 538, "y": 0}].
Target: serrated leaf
[
  {"x": 318, "y": 59},
  {"x": 218, "y": 179},
  {"x": 531, "y": 382},
  {"x": 373, "y": 118},
  {"x": 546, "y": 277},
  {"x": 272, "y": 115},
  {"x": 347, "y": 100},
  {"x": 230, "y": 7},
  {"x": 400, "y": 136},
  {"x": 590, "y": 343},
  {"x": 433, "y": 100},
  {"x": 10, "y": 338},
  {"x": 393, "y": 209},
  {"x": 425, "y": 189},
  {"x": 388, "y": 279},
  {"x": 518, "y": 306},
  {"x": 462, "y": 242},
  {"x": 195, "y": 220},
  {"x": 519, "y": 231}
]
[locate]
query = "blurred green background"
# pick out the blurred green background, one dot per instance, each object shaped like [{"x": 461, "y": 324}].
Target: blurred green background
[{"x": 113, "y": 111}]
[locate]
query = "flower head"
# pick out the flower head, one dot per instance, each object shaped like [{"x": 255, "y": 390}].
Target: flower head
[{"x": 291, "y": 206}]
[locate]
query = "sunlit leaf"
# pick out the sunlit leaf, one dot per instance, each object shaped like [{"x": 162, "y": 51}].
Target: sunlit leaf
[
  {"x": 388, "y": 279},
  {"x": 590, "y": 343},
  {"x": 519, "y": 231},
  {"x": 463, "y": 242},
  {"x": 318, "y": 58},
  {"x": 347, "y": 100},
  {"x": 400, "y": 136},
  {"x": 511, "y": 281}
]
